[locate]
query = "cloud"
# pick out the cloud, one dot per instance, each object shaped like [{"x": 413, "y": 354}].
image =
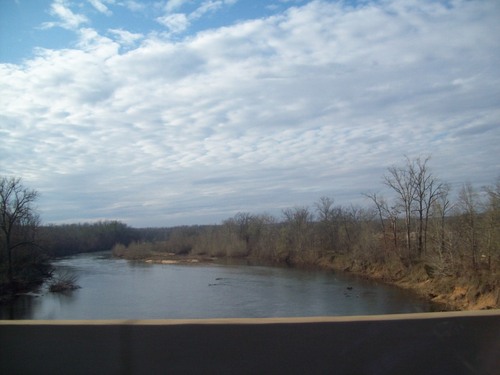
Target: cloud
[
  {"x": 210, "y": 6},
  {"x": 126, "y": 37},
  {"x": 176, "y": 23},
  {"x": 134, "y": 6},
  {"x": 101, "y": 7},
  {"x": 68, "y": 19},
  {"x": 174, "y": 5},
  {"x": 258, "y": 116},
  {"x": 91, "y": 40}
]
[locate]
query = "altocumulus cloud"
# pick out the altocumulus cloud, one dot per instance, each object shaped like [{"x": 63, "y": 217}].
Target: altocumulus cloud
[{"x": 257, "y": 116}]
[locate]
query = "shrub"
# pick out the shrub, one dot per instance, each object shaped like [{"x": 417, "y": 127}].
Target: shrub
[{"x": 64, "y": 281}]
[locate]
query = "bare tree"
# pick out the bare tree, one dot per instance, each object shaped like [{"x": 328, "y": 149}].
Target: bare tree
[
  {"x": 381, "y": 206},
  {"x": 442, "y": 207},
  {"x": 325, "y": 210},
  {"x": 417, "y": 189},
  {"x": 329, "y": 221},
  {"x": 386, "y": 213},
  {"x": 263, "y": 235},
  {"x": 243, "y": 221},
  {"x": 298, "y": 222},
  {"x": 401, "y": 180},
  {"x": 492, "y": 223},
  {"x": 427, "y": 190},
  {"x": 468, "y": 203},
  {"x": 494, "y": 193},
  {"x": 18, "y": 219}
]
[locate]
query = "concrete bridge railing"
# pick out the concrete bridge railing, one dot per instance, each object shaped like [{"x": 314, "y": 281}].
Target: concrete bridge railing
[{"x": 430, "y": 343}]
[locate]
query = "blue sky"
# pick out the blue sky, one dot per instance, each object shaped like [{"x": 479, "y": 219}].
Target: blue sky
[
  {"x": 30, "y": 24},
  {"x": 186, "y": 112}
]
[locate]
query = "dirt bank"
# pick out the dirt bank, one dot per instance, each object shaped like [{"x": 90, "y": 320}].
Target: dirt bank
[
  {"x": 477, "y": 290},
  {"x": 459, "y": 293}
]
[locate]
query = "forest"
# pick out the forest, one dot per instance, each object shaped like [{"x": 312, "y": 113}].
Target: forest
[{"x": 443, "y": 244}]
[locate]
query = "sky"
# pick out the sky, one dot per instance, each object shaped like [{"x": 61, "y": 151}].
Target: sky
[{"x": 179, "y": 112}]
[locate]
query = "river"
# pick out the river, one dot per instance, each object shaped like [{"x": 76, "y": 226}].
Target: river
[{"x": 119, "y": 289}]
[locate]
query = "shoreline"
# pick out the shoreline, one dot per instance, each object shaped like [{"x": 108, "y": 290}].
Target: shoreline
[{"x": 450, "y": 293}]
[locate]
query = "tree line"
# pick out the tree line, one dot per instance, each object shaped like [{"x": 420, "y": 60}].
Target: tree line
[
  {"x": 419, "y": 224},
  {"x": 420, "y": 227},
  {"x": 68, "y": 239},
  {"x": 22, "y": 264},
  {"x": 26, "y": 247},
  {"x": 420, "y": 231}
]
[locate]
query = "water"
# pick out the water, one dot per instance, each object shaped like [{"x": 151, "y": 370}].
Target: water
[{"x": 119, "y": 289}]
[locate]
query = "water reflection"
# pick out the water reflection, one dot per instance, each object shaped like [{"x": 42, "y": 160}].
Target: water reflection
[
  {"x": 21, "y": 309},
  {"x": 118, "y": 289}
]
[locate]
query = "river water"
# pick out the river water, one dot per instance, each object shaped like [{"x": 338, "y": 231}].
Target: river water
[{"x": 119, "y": 289}]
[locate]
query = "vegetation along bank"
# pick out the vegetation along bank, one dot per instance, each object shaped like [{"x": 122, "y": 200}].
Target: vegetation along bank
[{"x": 444, "y": 245}]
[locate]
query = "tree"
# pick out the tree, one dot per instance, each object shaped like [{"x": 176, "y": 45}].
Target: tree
[
  {"x": 18, "y": 218},
  {"x": 468, "y": 203},
  {"x": 297, "y": 230},
  {"x": 328, "y": 216},
  {"x": 442, "y": 206},
  {"x": 384, "y": 213},
  {"x": 427, "y": 191},
  {"x": 417, "y": 190},
  {"x": 243, "y": 220},
  {"x": 400, "y": 179},
  {"x": 492, "y": 219}
]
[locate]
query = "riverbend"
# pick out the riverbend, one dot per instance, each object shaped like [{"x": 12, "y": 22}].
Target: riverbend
[{"x": 112, "y": 288}]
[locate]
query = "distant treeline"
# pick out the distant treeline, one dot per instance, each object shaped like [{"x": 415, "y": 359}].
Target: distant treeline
[
  {"x": 68, "y": 239},
  {"x": 462, "y": 241},
  {"x": 420, "y": 232},
  {"x": 419, "y": 226}
]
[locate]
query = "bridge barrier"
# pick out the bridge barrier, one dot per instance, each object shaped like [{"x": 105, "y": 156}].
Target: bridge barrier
[{"x": 423, "y": 343}]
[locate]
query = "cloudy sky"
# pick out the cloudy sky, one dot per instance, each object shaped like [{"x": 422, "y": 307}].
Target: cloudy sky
[{"x": 162, "y": 113}]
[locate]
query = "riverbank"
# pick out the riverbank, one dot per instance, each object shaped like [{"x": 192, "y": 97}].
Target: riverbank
[
  {"x": 474, "y": 291},
  {"x": 464, "y": 293},
  {"x": 9, "y": 294},
  {"x": 153, "y": 257}
]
